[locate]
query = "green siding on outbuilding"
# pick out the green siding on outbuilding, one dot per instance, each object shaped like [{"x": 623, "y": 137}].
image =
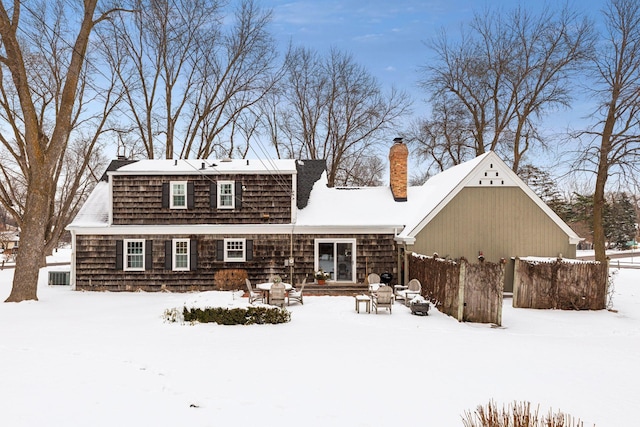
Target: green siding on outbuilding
[{"x": 502, "y": 222}]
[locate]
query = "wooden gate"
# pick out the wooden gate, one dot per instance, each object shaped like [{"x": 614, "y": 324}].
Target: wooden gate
[{"x": 468, "y": 292}]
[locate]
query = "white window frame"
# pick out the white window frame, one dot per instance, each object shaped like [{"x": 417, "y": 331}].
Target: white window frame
[
  {"x": 227, "y": 258},
  {"x": 316, "y": 260},
  {"x": 175, "y": 254},
  {"x": 125, "y": 254},
  {"x": 231, "y": 184},
  {"x": 182, "y": 184}
]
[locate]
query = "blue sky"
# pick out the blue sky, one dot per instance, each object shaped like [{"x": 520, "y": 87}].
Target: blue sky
[{"x": 388, "y": 37}]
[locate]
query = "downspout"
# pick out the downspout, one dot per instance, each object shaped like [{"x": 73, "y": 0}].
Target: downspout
[
  {"x": 401, "y": 280},
  {"x": 72, "y": 270},
  {"x": 291, "y": 260},
  {"x": 294, "y": 219}
]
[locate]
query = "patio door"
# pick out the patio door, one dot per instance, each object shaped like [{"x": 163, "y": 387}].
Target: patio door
[{"x": 336, "y": 257}]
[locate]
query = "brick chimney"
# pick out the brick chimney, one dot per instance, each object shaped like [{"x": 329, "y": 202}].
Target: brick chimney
[{"x": 398, "y": 170}]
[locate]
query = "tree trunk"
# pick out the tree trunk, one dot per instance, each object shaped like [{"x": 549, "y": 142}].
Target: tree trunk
[
  {"x": 43, "y": 151},
  {"x": 32, "y": 240},
  {"x": 599, "y": 238}
]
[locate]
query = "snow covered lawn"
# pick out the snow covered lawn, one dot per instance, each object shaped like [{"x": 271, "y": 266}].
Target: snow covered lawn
[{"x": 109, "y": 359}]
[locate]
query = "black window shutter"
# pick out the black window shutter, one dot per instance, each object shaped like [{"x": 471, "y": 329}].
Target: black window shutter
[
  {"x": 168, "y": 254},
  {"x": 238, "y": 195},
  {"x": 190, "y": 195},
  {"x": 165, "y": 195},
  {"x": 119, "y": 257},
  {"x": 213, "y": 195},
  {"x": 249, "y": 250},
  {"x": 148, "y": 254},
  {"x": 220, "y": 250},
  {"x": 193, "y": 255}
]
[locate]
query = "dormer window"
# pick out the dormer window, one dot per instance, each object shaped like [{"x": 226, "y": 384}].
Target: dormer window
[{"x": 226, "y": 195}]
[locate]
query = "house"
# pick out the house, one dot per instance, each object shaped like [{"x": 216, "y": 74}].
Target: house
[
  {"x": 9, "y": 243},
  {"x": 172, "y": 224}
]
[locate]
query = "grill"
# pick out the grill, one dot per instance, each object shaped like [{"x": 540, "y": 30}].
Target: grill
[{"x": 385, "y": 278}]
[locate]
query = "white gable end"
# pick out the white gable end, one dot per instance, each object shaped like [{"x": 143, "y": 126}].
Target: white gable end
[
  {"x": 486, "y": 170},
  {"x": 491, "y": 173}
]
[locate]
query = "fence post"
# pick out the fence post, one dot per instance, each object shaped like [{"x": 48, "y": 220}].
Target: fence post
[
  {"x": 461, "y": 291},
  {"x": 516, "y": 282},
  {"x": 501, "y": 293}
]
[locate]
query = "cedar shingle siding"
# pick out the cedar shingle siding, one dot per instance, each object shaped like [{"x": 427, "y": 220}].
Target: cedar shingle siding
[
  {"x": 98, "y": 260},
  {"x": 138, "y": 200}
]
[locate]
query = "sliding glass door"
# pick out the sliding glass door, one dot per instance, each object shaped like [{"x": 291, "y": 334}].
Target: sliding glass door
[{"x": 336, "y": 257}]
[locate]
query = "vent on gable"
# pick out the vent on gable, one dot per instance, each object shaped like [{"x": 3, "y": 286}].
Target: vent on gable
[{"x": 491, "y": 177}]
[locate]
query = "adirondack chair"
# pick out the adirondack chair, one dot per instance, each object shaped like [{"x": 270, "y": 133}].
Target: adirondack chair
[
  {"x": 277, "y": 294},
  {"x": 383, "y": 298},
  {"x": 374, "y": 281},
  {"x": 296, "y": 295},
  {"x": 407, "y": 293},
  {"x": 254, "y": 296}
]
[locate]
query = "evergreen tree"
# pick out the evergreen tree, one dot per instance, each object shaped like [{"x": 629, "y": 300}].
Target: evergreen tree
[
  {"x": 541, "y": 182},
  {"x": 620, "y": 220}
]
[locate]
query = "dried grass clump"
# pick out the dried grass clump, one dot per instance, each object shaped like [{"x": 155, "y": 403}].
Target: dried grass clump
[{"x": 517, "y": 414}]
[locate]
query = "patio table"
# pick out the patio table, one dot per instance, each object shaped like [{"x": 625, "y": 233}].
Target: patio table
[
  {"x": 266, "y": 287},
  {"x": 366, "y": 299}
]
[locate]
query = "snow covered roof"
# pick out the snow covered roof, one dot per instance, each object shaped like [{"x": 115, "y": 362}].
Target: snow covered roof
[
  {"x": 188, "y": 167},
  {"x": 332, "y": 209},
  {"x": 95, "y": 210},
  {"x": 375, "y": 206}
]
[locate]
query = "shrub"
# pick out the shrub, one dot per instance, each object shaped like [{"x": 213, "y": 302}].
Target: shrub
[
  {"x": 237, "y": 316},
  {"x": 518, "y": 414},
  {"x": 173, "y": 315},
  {"x": 230, "y": 279}
]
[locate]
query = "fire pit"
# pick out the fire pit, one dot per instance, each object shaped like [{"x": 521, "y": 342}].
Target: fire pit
[{"x": 420, "y": 306}]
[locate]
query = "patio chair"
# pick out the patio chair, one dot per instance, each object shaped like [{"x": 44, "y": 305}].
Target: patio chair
[
  {"x": 407, "y": 293},
  {"x": 374, "y": 281},
  {"x": 383, "y": 298},
  {"x": 254, "y": 296},
  {"x": 277, "y": 294},
  {"x": 296, "y": 295}
]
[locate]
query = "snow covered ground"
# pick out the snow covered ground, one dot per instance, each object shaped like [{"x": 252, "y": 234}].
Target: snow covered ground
[{"x": 109, "y": 359}]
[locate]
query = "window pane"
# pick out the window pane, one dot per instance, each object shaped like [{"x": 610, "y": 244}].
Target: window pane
[
  {"x": 344, "y": 261},
  {"x": 179, "y": 194},
  {"x": 226, "y": 194},
  {"x": 235, "y": 249},
  {"x": 326, "y": 258},
  {"x": 181, "y": 255},
  {"x": 135, "y": 255}
]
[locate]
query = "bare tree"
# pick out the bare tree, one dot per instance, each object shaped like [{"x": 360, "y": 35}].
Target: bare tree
[
  {"x": 336, "y": 111},
  {"x": 615, "y": 144},
  {"x": 507, "y": 71},
  {"x": 44, "y": 94},
  {"x": 190, "y": 73},
  {"x": 444, "y": 140}
]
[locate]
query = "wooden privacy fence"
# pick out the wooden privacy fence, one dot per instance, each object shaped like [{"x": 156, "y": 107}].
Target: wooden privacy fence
[
  {"x": 560, "y": 284},
  {"x": 468, "y": 292}
]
